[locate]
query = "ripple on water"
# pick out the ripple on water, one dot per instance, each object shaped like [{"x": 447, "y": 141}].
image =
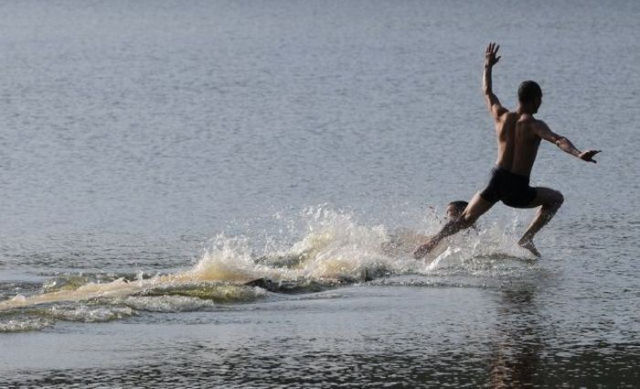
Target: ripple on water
[{"x": 264, "y": 367}]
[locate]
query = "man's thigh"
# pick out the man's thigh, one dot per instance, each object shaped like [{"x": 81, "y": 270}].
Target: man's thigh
[
  {"x": 476, "y": 208},
  {"x": 545, "y": 196}
]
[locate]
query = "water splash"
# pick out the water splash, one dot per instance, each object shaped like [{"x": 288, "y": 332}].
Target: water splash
[{"x": 333, "y": 249}]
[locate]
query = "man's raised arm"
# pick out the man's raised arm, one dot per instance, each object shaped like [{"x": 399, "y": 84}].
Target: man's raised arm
[
  {"x": 493, "y": 103},
  {"x": 543, "y": 131}
]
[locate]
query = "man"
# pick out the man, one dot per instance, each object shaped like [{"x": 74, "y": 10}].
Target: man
[{"x": 518, "y": 134}]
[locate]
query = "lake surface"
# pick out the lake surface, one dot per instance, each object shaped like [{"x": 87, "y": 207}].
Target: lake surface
[{"x": 201, "y": 193}]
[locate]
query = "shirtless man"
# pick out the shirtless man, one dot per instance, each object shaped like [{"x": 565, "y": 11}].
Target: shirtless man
[{"x": 518, "y": 134}]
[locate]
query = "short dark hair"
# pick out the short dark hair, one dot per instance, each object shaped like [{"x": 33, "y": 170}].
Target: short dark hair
[
  {"x": 529, "y": 91},
  {"x": 459, "y": 205}
]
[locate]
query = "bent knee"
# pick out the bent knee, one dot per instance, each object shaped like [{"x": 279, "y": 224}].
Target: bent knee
[
  {"x": 466, "y": 221},
  {"x": 556, "y": 200}
]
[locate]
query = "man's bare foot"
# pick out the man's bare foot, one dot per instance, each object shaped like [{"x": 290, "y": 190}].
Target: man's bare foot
[{"x": 528, "y": 244}]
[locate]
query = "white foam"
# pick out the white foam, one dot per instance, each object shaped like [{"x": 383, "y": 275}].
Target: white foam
[
  {"x": 166, "y": 303},
  {"x": 24, "y": 325},
  {"x": 333, "y": 246},
  {"x": 88, "y": 314}
]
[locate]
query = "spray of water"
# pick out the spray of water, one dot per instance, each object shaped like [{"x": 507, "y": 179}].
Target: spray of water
[{"x": 332, "y": 249}]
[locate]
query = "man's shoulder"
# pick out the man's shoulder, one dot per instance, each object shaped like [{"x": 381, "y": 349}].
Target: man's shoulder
[{"x": 532, "y": 126}]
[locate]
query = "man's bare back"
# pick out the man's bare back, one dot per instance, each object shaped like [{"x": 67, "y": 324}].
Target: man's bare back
[
  {"x": 517, "y": 142},
  {"x": 518, "y": 135}
]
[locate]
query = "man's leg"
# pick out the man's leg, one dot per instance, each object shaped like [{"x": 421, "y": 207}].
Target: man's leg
[
  {"x": 549, "y": 201},
  {"x": 476, "y": 207}
]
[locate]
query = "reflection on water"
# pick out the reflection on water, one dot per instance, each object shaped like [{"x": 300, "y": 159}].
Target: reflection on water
[
  {"x": 521, "y": 356},
  {"x": 250, "y": 367},
  {"x": 350, "y": 339},
  {"x": 518, "y": 343}
]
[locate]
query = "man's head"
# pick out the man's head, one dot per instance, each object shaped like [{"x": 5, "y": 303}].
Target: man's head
[
  {"x": 455, "y": 209},
  {"x": 530, "y": 96}
]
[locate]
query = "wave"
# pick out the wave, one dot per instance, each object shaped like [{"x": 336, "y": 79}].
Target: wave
[{"x": 333, "y": 250}]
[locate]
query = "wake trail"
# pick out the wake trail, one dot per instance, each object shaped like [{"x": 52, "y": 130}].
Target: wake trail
[{"x": 334, "y": 250}]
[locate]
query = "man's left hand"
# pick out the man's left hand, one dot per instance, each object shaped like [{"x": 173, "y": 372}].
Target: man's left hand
[
  {"x": 588, "y": 155},
  {"x": 490, "y": 58}
]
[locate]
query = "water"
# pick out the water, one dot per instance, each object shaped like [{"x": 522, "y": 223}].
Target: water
[{"x": 201, "y": 194}]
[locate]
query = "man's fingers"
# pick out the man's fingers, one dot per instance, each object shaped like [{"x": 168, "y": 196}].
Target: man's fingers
[
  {"x": 592, "y": 154},
  {"x": 498, "y": 59},
  {"x": 492, "y": 48}
]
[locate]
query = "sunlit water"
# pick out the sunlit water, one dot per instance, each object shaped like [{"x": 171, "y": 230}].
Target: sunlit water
[{"x": 227, "y": 194}]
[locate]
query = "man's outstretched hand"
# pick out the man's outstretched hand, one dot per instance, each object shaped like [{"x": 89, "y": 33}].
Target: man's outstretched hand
[
  {"x": 490, "y": 58},
  {"x": 588, "y": 155}
]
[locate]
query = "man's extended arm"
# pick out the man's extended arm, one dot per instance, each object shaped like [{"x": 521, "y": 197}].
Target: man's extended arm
[
  {"x": 493, "y": 103},
  {"x": 543, "y": 131}
]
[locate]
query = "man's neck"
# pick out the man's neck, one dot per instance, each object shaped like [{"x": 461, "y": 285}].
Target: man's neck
[{"x": 523, "y": 109}]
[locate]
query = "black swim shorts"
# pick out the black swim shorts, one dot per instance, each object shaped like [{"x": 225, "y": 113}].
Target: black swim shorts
[{"x": 512, "y": 189}]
